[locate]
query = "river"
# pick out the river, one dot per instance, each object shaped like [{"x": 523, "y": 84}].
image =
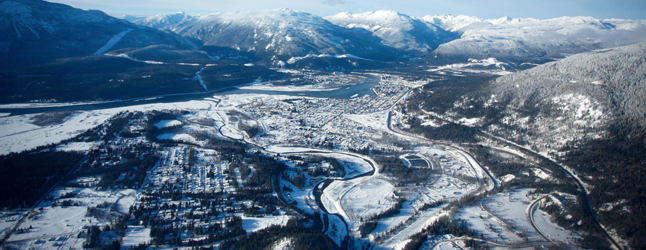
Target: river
[{"x": 345, "y": 92}]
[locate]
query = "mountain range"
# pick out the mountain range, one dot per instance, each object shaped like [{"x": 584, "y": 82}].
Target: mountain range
[
  {"x": 444, "y": 38},
  {"x": 32, "y": 27}
]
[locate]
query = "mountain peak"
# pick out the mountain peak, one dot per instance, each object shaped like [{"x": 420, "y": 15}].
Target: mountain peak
[
  {"x": 163, "y": 21},
  {"x": 397, "y": 30},
  {"x": 379, "y": 15}
]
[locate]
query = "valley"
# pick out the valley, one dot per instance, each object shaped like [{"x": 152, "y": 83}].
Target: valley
[
  {"x": 256, "y": 158},
  {"x": 281, "y": 129}
]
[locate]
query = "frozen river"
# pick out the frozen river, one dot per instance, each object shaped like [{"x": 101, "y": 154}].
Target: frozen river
[{"x": 343, "y": 92}]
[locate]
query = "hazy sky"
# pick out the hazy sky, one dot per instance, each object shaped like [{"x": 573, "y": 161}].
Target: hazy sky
[{"x": 542, "y": 9}]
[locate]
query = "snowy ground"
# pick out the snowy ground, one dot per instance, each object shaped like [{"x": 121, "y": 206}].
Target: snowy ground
[
  {"x": 271, "y": 87},
  {"x": 136, "y": 235},
  {"x": 253, "y": 224},
  {"x": 54, "y": 226},
  {"x": 502, "y": 218},
  {"x": 18, "y": 133}
]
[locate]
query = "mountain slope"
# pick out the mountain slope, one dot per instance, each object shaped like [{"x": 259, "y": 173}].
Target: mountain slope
[
  {"x": 397, "y": 30},
  {"x": 588, "y": 112},
  {"x": 35, "y": 31},
  {"x": 277, "y": 35},
  {"x": 520, "y": 39}
]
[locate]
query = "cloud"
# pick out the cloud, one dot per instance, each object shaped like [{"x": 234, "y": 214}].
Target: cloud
[{"x": 334, "y": 2}]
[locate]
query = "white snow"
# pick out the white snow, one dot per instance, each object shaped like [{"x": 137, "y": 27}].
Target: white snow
[
  {"x": 304, "y": 199},
  {"x": 524, "y": 37},
  {"x": 492, "y": 227},
  {"x": 167, "y": 124},
  {"x": 474, "y": 66},
  {"x": 503, "y": 218},
  {"x": 135, "y": 235},
  {"x": 552, "y": 230},
  {"x": 253, "y": 224},
  {"x": 270, "y": 87},
  {"x": 541, "y": 174},
  {"x": 136, "y": 60},
  {"x": 199, "y": 78},
  {"x": 393, "y": 28},
  {"x": 376, "y": 120},
  {"x": 126, "y": 198},
  {"x": 64, "y": 223},
  {"x": 284, "y": 244},
  {"x": 76, "y": 146},
  {"x": 17, "y": 133},
  {"x": 508, "y": 178},
  {"x": 298, "y": 58},
  {"x": 470, "y": 121},
  {"x": 113, "y": 41},
  {"x": 177, "y": 137}
]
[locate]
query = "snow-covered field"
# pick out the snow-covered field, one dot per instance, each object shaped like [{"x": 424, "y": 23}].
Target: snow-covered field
[
  {"x": 253, "y": 224},
  {"x": 503, "y": 218},
  {"x": 76, "y": 146},
  {"x": 58, "y": 225},
  {"x": 270, "y": 87},
  {"x": 18, "y": 133},
  {"x": 136, "y": 235}
]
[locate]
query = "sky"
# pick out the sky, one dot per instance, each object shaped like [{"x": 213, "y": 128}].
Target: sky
[{"x": 541, "y": 9}]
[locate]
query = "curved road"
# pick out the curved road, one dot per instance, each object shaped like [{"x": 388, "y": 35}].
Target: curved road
[
  {"x": 585, "y": 193},
  {"x": 529, "y": 213},
  {"x": 465, "y": 154}
]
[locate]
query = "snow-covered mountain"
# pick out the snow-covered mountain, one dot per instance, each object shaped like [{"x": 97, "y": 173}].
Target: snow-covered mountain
[
  {"x": 279, "y": 35},
  {"x": 566, "y": 102},
  {"x": 586, "y": 111},
  {"x": 163, "y": 21},
  {"x": 397, "y": 30},
  {"x": 524, "y": 38},
  {"x": 35, "y": 31},
  {"x": 283, "y": 36}
]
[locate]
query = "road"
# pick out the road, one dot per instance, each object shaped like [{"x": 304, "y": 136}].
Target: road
[
  {"x": 470, "y": 159},
  {"x": 529, "y": 212},
  {"x": 585, "y": 193}
]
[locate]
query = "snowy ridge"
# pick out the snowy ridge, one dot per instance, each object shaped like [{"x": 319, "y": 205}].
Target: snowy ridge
[
  {"x": 397, "y": 30},
  {"x": 273, "y": 34},
  {"x": 281, "y": 34},
  {"x": 163, "y": 21},
  {"x": 516, "y": 38}
]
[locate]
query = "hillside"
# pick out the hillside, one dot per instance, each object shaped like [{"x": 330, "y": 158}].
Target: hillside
[
  {"x": 397, "y": 30},
  {"x": 283, "y": 34},
  {"x": 35, "y": 32},
  {"x": 518, "y": 39},
  {"x": 275, "y": 35},
  {"x": 586, "y": 111},
  {"x": 576, "y": 98}
]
